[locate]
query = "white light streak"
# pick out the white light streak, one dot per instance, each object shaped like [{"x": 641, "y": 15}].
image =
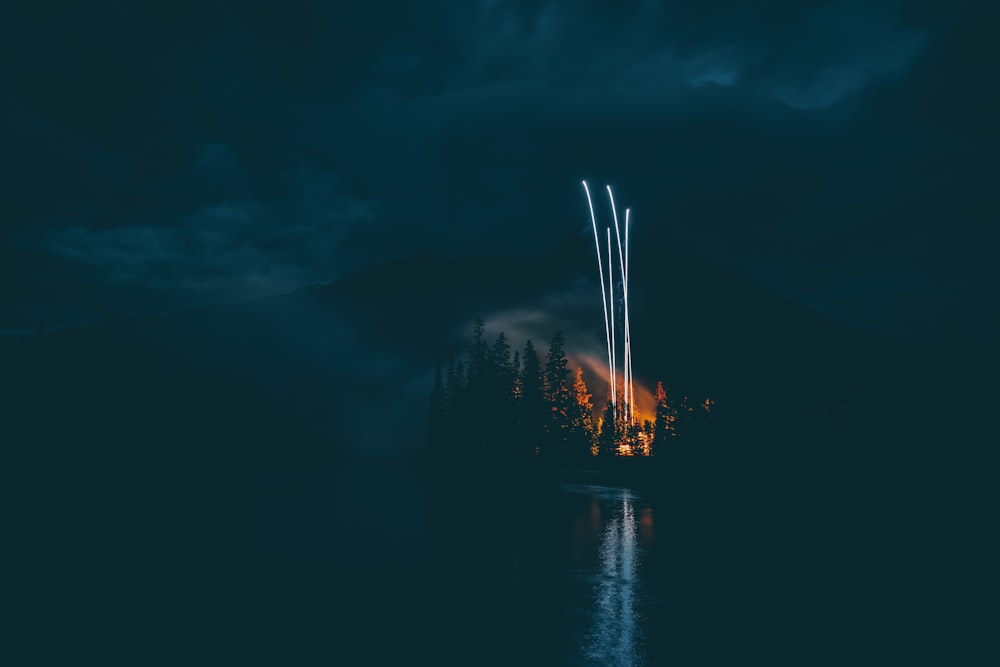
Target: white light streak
[
  {"x": 628, "y": 329},
  {"x": 614, "y": 350},
  {"x": 604, "y": 295},
  {"x": 613, "y": 312},
  {"x": 621, "y": 266}
]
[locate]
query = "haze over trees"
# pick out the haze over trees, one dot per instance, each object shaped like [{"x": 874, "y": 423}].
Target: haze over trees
[{"x": 499, "y": 404}]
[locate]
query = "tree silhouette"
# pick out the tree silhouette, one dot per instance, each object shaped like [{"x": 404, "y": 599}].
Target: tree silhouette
[
  {"x": 533, "y": 407},
  {"x": 558, "y": 395},
  {"x": 477, "y": 383},
  {"x": 516, "y": 367},
  {"x": 582, "y": 434},
  {"x": 501, "y": 373},
  {"x": 648, "y": 430},
  {"x": 498, "y": 404},
  {"x": 478, "y": 357},
  {"x": 684, "y": 414},
  {"x": 500, "y": 409},
  {"x": 663, "y": 423},
  {"x": 607, "y": 437},
  {"x": 456, "y": 406}
]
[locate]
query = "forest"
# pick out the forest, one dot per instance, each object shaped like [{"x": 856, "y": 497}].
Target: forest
[{"x": 504, "y": 404}]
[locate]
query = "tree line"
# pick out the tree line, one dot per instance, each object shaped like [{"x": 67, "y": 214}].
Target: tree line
[{"x": 502, "y": 403}]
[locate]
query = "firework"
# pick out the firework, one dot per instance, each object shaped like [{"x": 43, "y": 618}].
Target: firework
[
  {"x": 618, "y": 311},
  {"x": 614, "y": 349},
  {"x": 600, "y": 270},
  {"x": 621, "y": 267}
]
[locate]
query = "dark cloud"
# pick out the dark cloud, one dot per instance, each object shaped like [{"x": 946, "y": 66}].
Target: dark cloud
[
  {"x": 235, "y": 248},
  {"x": 161, "y": 156}
]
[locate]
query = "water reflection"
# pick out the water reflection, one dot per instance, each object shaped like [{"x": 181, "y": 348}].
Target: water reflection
[{"x": 614, "y": 632}]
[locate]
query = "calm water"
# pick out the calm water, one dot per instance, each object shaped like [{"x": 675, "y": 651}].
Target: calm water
[
  {"x": 260, "y": 562},
  {"x": 322, "y": 564},
  {"x": 619, "y": 529}
]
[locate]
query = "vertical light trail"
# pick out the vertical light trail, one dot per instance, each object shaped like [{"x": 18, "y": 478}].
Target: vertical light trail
[
  {"x": 613, "y": 309},
  {"x": 621, "y": 266},
  {"x": 614, "y": 352},
  {"x": 604, "y": 295},
  {"x": 628, "y": 328}
]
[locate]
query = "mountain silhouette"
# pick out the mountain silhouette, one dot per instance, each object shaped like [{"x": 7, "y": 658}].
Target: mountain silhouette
[
  {"x": 866, "y": 457},
  {"x": 346, "y": 367}
]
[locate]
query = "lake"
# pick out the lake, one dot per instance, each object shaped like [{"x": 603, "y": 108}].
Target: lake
[{"x": 260, "y": 561}]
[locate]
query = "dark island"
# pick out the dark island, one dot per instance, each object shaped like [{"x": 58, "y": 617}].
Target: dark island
[{"x": 513, "y": 412}]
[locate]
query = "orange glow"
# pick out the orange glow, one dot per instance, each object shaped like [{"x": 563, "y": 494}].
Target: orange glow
[
  {"x": 646, "y": 524},
  {"x": 645, "y": 444},
  {"x": 596, "y": 372}
]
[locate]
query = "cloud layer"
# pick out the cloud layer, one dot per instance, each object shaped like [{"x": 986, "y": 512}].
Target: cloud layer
[{"x": 161, "y": 158}]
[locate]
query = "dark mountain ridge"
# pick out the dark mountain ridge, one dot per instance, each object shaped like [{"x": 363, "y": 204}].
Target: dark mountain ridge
[
  {"x": 293, "y": 362},
  {"x": 823, "y": 438}
]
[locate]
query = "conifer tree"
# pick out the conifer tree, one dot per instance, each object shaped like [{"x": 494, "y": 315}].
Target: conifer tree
[
  {"x": 683, "y": 417},
  {"x": 558, "y": 393},
  {"x": 500, "y": 409},
  {"x": 478, "y": 358},
  {"x": 502, "y": 371},
  {"x": 533, "y": 411},
  {"x": 582, "y": 423},
  {"x": 608, "y": 434},
  {"x": 647, "y": 432},
  {"x": 516, "y": 367},
  {"x": 457, "y": 400},
  {"x": 663, "y": 424},
  {"x": 476, "y": 431}
]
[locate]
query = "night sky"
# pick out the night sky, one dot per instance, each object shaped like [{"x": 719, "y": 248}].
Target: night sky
[{"x": 841, "y": 153}]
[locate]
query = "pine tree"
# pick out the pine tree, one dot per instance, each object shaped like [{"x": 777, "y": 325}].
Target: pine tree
[
  {"x": 533, "y": 408},
  {"x": 663, "y": 424},
  {"x": 476, "y": 431},
  {"x": 647, "y": 435},
  {"x": 516, "y": 367},
  {"x": 582, "y": 422},
  {"x": 608, "y": 433},
  {"x": 502, "y": 372},
  {"x": 683, "y": 417},
  {"x": 478, "y": 357},
  {"x": 558, "y": 394},
  {"x": 500, "y": 409},
  {"x": 457, "y": 400}
]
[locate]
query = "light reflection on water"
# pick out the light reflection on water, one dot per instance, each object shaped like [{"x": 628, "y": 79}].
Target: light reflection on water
[{"x": 614, "y": 633}]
